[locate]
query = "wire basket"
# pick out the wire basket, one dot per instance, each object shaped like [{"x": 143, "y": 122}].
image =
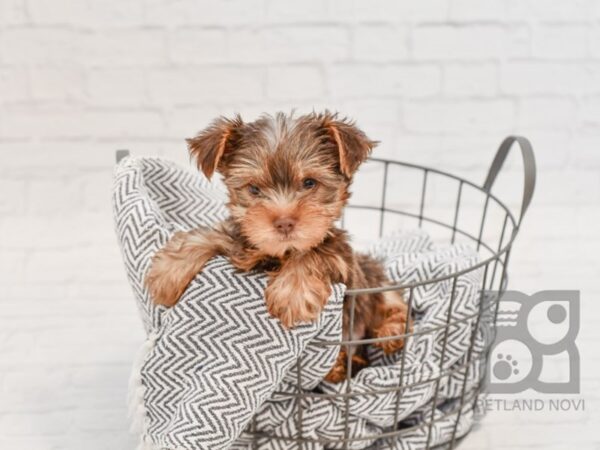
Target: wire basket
[
  {"x": 493, "y": 240},
  {"x": 476, "y": 216}
]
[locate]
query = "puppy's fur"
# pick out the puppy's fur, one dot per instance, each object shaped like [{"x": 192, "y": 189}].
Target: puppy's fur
[{"x": 288, "y": 181}]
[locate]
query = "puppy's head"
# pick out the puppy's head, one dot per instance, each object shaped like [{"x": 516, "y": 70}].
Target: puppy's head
[{"x": 287, "y": 177}]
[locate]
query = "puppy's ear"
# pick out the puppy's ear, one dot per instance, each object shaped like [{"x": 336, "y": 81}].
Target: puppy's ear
[
  {"x": 352, "y": 143},
  {"x": 211, "y": 144}
]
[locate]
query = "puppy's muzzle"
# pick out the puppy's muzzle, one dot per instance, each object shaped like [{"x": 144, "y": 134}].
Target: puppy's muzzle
[{"x": 284, "y": 225}]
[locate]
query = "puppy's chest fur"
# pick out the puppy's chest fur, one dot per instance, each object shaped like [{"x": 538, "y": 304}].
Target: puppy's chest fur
[
  {"x": 247, "y": 257},
  {"x": 355, "y": 270}
]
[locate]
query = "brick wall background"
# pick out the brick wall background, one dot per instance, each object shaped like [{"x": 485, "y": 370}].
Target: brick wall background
[{"x": 439, "y": 82}]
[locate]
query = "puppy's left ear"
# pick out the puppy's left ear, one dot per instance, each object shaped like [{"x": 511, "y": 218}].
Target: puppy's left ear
[
  {"x": 212, "y": 144},
  {"x": 353, "y": 145}
]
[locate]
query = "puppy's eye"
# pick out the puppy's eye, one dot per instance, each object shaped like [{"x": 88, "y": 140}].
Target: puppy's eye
[
  {"x": 254, "y": 190},
  {"x": 309, "y": 183}
]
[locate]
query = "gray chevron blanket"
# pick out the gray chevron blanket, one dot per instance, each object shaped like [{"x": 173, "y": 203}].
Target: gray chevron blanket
[{"x": 216, "y": 366}]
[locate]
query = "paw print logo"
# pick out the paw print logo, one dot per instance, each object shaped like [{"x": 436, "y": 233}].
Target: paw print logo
[
  {"x": 505, "y": 367},
  {"x": 510, "y": 363},
  {"x": 530, "y": 332}
]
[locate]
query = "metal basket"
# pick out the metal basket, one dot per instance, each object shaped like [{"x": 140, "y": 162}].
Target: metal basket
[
  {"x": 492, "y": 242},
  {"x": 494, "y": 245}
]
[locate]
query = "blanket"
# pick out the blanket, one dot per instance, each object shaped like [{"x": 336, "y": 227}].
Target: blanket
[{"x": 217, "y": 367}]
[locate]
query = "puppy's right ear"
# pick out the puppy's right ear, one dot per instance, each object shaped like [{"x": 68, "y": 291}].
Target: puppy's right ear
[
  {"x": 352, "y": 144},
  {"x": 211, "y": 144}
]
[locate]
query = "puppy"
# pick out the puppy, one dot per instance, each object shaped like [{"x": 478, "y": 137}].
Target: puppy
[{"x": 288, "y": 181}]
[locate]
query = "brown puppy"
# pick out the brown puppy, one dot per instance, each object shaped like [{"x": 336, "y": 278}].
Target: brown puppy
[{"x": 288, "y": 181}]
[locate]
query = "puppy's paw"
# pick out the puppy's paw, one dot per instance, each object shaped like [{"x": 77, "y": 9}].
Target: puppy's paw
[
  {"x": 339, "y": 371},
  {"x": 293, "y": 299},
  {"x": 174, "y": 266},
  {"x": 358, "y": 363},
  {"x": 394, "y": 324},
  {"x": 164, "y": 282}
]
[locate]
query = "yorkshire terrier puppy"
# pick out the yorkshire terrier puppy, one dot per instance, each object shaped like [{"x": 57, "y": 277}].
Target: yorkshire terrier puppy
[{"x": 288, "y": 181}]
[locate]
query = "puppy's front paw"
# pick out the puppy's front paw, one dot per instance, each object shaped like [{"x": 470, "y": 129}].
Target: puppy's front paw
[
  {"x": 164, "y": 281},
  {"x": 292, "y": 298},
  {"x": 174, "y": 266}
]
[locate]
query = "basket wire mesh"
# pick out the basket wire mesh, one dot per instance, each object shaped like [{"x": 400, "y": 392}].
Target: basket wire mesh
[{"x": 494, "y": 245}]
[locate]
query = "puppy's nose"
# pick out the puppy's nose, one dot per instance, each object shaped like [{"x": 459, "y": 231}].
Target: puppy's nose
[{"x": 284, "y": 225}]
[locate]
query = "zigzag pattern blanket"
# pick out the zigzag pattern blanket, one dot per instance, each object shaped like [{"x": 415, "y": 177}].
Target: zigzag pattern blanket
[{"x": 217, "y": 359}]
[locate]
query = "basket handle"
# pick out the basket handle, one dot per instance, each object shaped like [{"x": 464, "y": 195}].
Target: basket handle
[
  {"x": 529, "y": 169},
  {"x": 120, "y": 154}
]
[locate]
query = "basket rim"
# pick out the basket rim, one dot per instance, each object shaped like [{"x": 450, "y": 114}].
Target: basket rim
[{"x": 496, "y": 254}]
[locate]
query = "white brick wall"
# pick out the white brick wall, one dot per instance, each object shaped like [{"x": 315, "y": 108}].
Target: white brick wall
[{"x": 439, "y": 82}]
